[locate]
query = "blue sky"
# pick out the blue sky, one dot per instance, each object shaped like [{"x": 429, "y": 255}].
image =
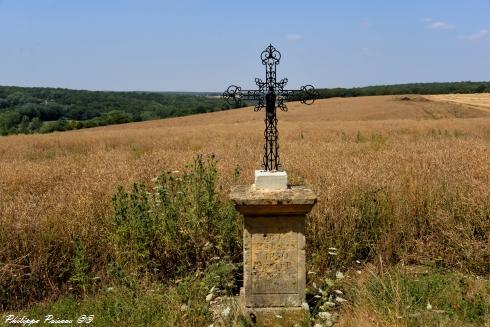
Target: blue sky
[{"x": 207, "y": 45}]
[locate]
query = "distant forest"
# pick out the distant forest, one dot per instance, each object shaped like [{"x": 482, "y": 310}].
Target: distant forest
[
  {"x": 33, "y": 110},
  {"x": 25, "y": 110},
  {"x": 411, "y": 88}
]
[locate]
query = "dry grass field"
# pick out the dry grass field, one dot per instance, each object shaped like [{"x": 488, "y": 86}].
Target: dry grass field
[
  {"x": 413, "y": 174},
  {"x": 481, "y": 100}
]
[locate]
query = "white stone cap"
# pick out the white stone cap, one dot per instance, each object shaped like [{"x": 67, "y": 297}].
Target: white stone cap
[{"x": 271, "y": 181}]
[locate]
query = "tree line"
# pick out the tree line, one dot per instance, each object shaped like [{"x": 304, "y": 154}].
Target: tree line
[
  {"x": 411, "y": 88},
  {"x": 43, "y": 110}
]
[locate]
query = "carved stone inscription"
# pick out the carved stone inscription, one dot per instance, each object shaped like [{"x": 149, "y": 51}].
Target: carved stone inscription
[{"x": 274, "y": 258}]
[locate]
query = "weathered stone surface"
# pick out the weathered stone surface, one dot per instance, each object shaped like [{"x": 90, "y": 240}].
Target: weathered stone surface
[
  {"x": 274, "y": 256},
  {"x": 248, "y": 195},
  {"x": 295, "y": 200},
  {"x": 277, "y": 317},
  {"x": 274, "y": 251}
]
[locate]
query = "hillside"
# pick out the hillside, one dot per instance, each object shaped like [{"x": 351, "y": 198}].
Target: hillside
[
  {"x": 26, "y": 110},
  {"x": 402, "y": 185},
  {"x": 480, "y": 101}
]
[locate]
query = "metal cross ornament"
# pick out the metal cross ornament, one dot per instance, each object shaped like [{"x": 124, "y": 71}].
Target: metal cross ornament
[{"x": 270, "y": 95}]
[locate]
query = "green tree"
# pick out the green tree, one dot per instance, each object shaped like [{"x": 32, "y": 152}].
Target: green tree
[
  {"x": 8, "y": 122},
  {"x": 23, "y": 125},
  {"x": 35, "y": 124}
]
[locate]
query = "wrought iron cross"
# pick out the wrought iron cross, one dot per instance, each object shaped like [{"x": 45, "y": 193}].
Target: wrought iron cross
[{"x": 270, "y": 95}]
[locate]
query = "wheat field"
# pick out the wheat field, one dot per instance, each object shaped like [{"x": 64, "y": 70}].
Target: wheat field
[
  {"x": 73, "y": 174},
  {"x": 426, "y": 158},
  {"x": 481, "y": 100}
]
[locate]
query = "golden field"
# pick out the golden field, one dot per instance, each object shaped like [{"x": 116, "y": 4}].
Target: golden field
[
  {"x": 73, "y": 174},
  {"x": 426, "y": 160},
  {"x": 481, "y": 100}
]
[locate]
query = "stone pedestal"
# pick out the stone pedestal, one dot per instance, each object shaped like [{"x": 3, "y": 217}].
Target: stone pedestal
[{"x": 274, "y": 252}]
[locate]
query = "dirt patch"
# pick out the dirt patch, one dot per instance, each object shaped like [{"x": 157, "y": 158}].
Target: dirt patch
[{"x": 414, "y": 98}]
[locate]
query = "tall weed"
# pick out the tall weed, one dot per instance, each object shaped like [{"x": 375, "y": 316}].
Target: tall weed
[{"x": 179, "y": 226}]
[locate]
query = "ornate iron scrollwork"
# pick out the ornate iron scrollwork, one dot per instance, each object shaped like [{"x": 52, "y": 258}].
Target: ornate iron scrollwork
[{"x": 270, "y": 95}]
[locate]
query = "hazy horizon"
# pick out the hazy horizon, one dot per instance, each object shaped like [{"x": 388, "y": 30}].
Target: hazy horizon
[
  {"x": 221, "y": 91},
  {"x": 189, "y": 46}
]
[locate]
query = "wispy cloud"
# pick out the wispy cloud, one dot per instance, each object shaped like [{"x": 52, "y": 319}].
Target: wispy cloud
[
  {"x": 481, "y": 34},
  {"x": 440, "y": 25},
  {"x": 294, "y": 37}
]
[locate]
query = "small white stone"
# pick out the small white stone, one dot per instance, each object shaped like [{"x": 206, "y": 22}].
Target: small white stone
[
  {"x": 318, "y": 296},
  {"x": 325, "y": 315},
  {"x": 358, "y": 272},
  {"x": 340, "y": 300},
  {"x": 339, "y": 275},
  {"x": 429, "y": 306},
  {"x": 212, "y": 289},
  {"x": 278, "y": 316},
  {"x": 209, "y": 297},
  {"x": 358, "y": 262},
  {"x": 226, "y": 312},
  {"x": 339, "y": 292}
]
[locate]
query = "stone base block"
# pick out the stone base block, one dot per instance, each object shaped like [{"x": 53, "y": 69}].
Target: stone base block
[
  {"x": 273, "y": 316},
  {"x": 271, "y": 181},
  {"x": 281, "y": 317},
  {"x": 274, "y": 276}
]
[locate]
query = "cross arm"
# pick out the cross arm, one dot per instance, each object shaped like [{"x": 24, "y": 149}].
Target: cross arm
[
  {"x": 234, "y": 96},
  {"x": 306, "y": 94}
]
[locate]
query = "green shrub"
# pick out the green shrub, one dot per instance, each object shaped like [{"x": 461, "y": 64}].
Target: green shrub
[{"x": 178, "y": 227}]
